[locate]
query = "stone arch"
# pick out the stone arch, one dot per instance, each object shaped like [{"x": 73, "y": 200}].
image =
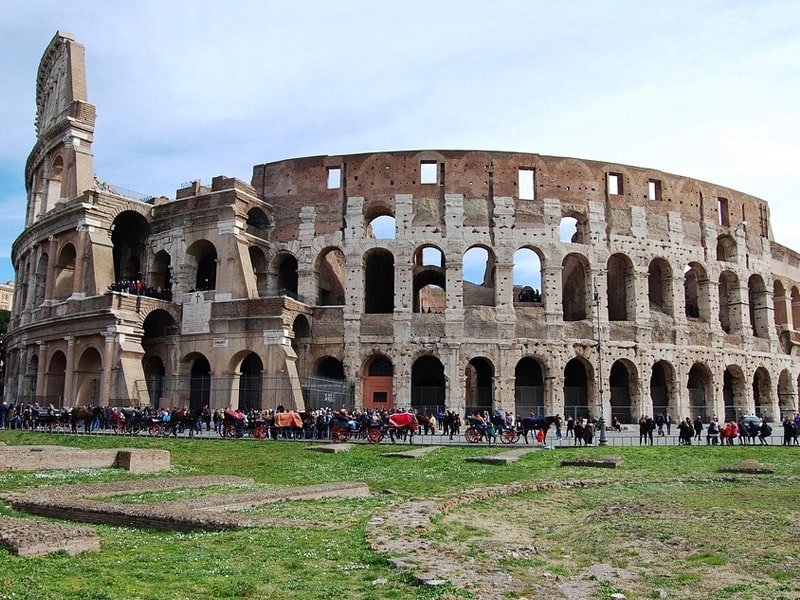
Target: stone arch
[
  {"x": 258, "y": 262},
  {"x": 479, "y": 385},
  {"x": 331, "y": 272},
  {"x": 726, "y": 248},
  {"x": 573, "y": 228},
  {"x": 728, "y": 301},
  {"x": 250, "y": 370},
  {"x": 759, "y": 306},
  {"x": 129, "y": 234},
  {"x": 529, "y": 387},
  {"x": 577, "y": 373},
  {"x": 381, "y": 227},
  {"x": 428, "y": 384},
  {"x": 284, "y": 274},
  {"x": 257, "y": 223},
  {"x": 155, "y": 378},
  {"x": 330, "y": 368},
  {"x": 65, "y": 272},
  {"x": 199, "y": 381},
  {"x": 696, "y": 294},
  {"x": 624, "y": 390},
  {"x": 700, "y": 386},
  {"x": 378, "y": 374},
  {"x": 201, "y": 258},
  {"x": 734, "y": 392},
  {"x": 527, "y": 274},
  {"x": 762, "y": 394},
  {"x": 620, "y": 280},
  {"x": 429, "y": 279},
  {"x": 159, "y": 329},
  {"x": 795, "y": 308},
  {"x": 479, "y": 276},
  {"x": 378, "y": 282},
  {"x": 40, "y": 279},
  {"x": 574, "y": 287},
  {"x": 161, "y": 273},
  {"x": 659, "y": 286},
  {"x": 56, "y": 377},
  {"x": 781, "y": 316},
  {"x": 663, "y": 388},
  {"x": 87, "y": 378}
]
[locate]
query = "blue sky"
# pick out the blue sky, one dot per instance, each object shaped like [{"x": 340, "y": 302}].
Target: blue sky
[{"x": 189, "y": 90}]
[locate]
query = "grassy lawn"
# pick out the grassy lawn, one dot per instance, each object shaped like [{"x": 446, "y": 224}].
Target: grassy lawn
[{"x": 667, "y": 522}]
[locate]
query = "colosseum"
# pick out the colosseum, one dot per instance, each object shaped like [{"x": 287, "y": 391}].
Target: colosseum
[{"x": 434, "y": 278}]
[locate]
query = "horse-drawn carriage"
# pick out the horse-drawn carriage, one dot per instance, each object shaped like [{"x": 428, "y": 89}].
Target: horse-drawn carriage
[
  {"x": 344, "y": 427},
  {"x": 510, "y": 435}
]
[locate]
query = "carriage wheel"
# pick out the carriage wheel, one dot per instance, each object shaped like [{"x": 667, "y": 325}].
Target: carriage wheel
[
  {"x": 260, "y": 432},
  {"x": 509, "y": 436},
  {"x": 472, "y": 435},
  {"x": 154, "y": 430},
  {"x": 374, "y": 435},
  {"x": 340, "y": 434},
  {"x": 228, "y": 431}
]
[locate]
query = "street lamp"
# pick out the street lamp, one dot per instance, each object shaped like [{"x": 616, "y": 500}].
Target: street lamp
[{"x": 603, "y": 439}]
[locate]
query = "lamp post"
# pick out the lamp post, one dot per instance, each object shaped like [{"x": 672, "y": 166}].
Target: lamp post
[{"x": 603, "y": 439}]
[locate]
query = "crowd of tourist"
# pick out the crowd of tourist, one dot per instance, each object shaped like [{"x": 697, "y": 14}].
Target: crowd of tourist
[
  {"x": 138, "y": 288},
  {"x": 317, "y": 424}
]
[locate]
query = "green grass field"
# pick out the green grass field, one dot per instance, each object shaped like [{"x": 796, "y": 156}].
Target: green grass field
[{"x": 667, "y": 523}]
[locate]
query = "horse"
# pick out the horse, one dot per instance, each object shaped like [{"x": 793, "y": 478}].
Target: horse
[
  {"x": 180, "y": 419},
  {"x": 538, "y": 423},
  {"x": 85, "y": 414},
  {"x": 425, "y": 423},
  {"x": 403, "y": 424}
]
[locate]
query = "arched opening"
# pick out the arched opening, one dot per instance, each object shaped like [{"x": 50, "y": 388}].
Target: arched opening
[
  {"x": 87, "y": 378},
  {"x": 65, "y": 272},
  {"x": 779, "y": 300},
  {"x": 55, "y": 377},
  {"x": 30, "y": 376},
  {"x": 155, "y": 379},
  {"x": 570, "y": 230},
  {"x": 728, "y": 301},
  {"x": 726, "y": 248},
  {"x": 527, "y": 275},
  {"x": 479, "y": 386},
  {"x": 662, "y": 389},
  {"x": 621, "y": 292},
  {"x": 378, "y": 383},
  {"x": 330, "y": 367},
  {"x": 659, "y": 286},
  {"x": 202, "y": 256},
  {"x": 379, "y": 282},
  {"x": 759, "y": 306},
  {"x": 623, "y": 389},
  {"x": 129, "y": 234},
  {"x": 427, "y": 385},
  {"x": 257, "y": 223},
  {"x": 479, "y": 277},
  {"x": 573, "y": 287},
  {"x": 250, "y": 383},
  {"x": 161, "y": 275},
  {"x": 701, "y": 392},
  {"x": 258, "y": 262},
  {"x": 286, "y": 276},
  {"x": 331, "y": 277},
  {"x": 199, "y": 384},
  {"x": 382, "y": 227},
  {"x": 734, "y": 393},
  {"x": 528, "y": 387},
  {"x": 40, "y": 279},
  {"x": 795, "y": 308},
  {"x": 576, "y": 390},
  {"x": 695, "y": 288},
  {"x": 762, "y": 397},
  {"x": 429, "y": 280}
]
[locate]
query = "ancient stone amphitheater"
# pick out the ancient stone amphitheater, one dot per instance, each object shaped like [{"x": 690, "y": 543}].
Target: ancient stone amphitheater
[{"x": 433, "y": 279}]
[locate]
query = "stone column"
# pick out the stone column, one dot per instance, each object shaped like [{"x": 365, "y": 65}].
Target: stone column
[
  {"x": 69, "y": 393},
  {"x": 108, "y": 361}
]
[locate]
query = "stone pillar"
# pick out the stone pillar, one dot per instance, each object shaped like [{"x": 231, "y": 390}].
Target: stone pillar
[
  {"x": 108, "y": 363},
  {"x": 40, "y": 374},
  {"x": 69, "y": 392}
]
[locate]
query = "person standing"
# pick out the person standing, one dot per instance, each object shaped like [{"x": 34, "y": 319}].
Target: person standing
[
  {"x": 698, "y": 428},
  {"x": 642, "y": 430},
  {"x": 668, "y": 419}
]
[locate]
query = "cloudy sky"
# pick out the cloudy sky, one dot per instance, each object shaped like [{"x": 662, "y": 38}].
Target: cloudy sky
[{"x": 189, "y": 90}]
